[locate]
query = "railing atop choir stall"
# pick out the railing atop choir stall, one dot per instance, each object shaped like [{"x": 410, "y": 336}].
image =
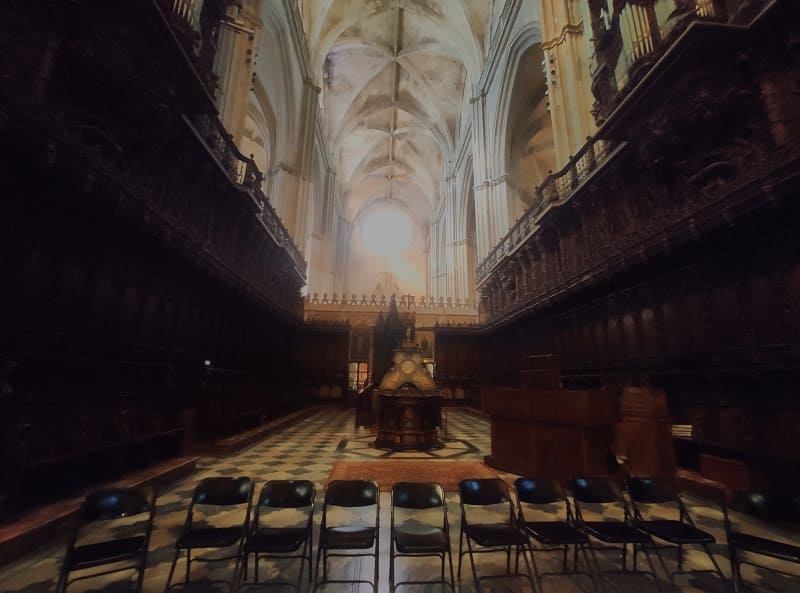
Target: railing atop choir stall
[
  {"x": 646, "y": 40},
  {"x": 646, "y": 37},
  {"x": 644, "y": 31},
  {"x": 555, "y": 189},
  {"x": 185, "y": 13},
  {"x": 195, "y": 25},
  {"x": 244, "y": 172},
  {"x": 188, "y": 10},
  {"x": 241, "y": 169}
]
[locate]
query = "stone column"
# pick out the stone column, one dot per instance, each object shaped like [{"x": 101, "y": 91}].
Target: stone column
[
  {"x": 567, "y": 71},
  {"x": 304, "y": 158},
  {"x": 234, "y": 64}
]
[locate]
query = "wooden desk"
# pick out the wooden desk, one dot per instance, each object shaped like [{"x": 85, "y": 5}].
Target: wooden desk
[{"x": 550, "y": 433}]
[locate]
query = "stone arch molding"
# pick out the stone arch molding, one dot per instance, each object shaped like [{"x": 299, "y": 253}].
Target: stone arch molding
[
  {"x": 526, "y": 38},
  {"x": 262, "y": 117},
  {"x": 466, "y": 180}
]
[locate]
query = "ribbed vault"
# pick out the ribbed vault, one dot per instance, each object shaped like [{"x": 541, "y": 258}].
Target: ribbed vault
[{"x": 393, "y": 74}]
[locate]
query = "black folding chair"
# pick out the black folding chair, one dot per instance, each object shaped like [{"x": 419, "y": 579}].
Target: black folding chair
[
  {"x": 677, "y": 532},
  {"x": 497, "y": 536},
  {"x": 767, "y": 506},
  {"x": 348, "y": 494},
  {"x": 416, "y": 540},
  {"x": 555, "y": 535},
  {"x": 266, "y": 540},
  {"x": 112, "y": 504},
  {"x": 613, "y": 532},
  {"x": 214, "y": 492}
]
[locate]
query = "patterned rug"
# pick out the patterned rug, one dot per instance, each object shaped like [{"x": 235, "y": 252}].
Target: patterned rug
[
  {"x": 364, "y": 447},
  {"x": 387, "y": 473}
]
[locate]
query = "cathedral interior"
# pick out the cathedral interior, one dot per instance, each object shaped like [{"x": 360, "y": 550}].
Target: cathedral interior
[{"x": 400, "y": 256}]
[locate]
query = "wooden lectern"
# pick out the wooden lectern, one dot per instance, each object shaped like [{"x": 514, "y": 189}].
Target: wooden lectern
[
  {"x": 645, "y": 433},
  {"x": 541, "y": 430}
]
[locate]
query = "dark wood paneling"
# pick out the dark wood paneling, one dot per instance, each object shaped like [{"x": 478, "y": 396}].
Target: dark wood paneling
[{"x": 132, "y": 250}]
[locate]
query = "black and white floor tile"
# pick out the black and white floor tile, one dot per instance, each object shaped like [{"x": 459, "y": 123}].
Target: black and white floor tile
[{"x": 308, "y": 449}]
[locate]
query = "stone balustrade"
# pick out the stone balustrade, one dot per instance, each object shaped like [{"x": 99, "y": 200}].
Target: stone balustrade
[
  {"x": 428, "y": 311},
  {"x": 405, "y": 302}
]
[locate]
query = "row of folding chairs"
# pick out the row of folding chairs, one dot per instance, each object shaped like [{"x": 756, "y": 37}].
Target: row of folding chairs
[
  {"x": 350, "y": 527},
  {"x": 641, "y": 522}
]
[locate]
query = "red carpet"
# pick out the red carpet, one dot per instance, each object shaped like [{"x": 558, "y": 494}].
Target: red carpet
[{"x": 387, "y": 472}]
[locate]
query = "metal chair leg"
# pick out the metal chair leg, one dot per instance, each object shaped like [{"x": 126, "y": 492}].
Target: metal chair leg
[
  {"x": 237, "y": 565},
  {"x": 61, "y": 587},
  {"x": 536, "y": 575},
  {"x": 316, "y": 567},
  {"x": 652, "y": 568},
  {"x": 460, "y": 552},
  {"x": 172, "y": 569},
  {"x": 474, "y": 570},
  {"x": 663, "y": 564},
  {"x": 302, "y": 566},
  {"x": 600, "y": 573},
  {"x": 717, "y": 567},
  {"x": 140, "y": 579},
  {"x": 450, "y": 562},
  {"x": 310, "y": 561},
  {"x": 736, "y": 575},
  {"x": 594, "y": 570},
  {"x": 377, "y": 556}
]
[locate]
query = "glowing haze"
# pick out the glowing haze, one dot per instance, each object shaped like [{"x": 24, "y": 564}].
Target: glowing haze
[{"x": 387, "y": 231}]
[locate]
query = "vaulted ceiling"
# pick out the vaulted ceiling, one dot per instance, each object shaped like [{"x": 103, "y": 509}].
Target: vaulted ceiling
[{"x": 392, "y": 74}]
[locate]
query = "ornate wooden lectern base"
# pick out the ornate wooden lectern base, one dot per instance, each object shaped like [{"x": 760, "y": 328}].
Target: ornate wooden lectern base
[
  {"x": 410, "y": 405},
  {"x": 408, "y": 422}
]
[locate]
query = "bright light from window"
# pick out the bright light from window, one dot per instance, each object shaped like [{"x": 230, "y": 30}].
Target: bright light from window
[{"x": 387, "y": 231}]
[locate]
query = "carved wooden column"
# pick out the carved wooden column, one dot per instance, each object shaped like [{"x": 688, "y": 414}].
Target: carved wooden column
[
  {"x": 502, "y": 289},
  {"x": 541, "y": 257},
  {"x": 523, "y": 286},
  {"x": 519, "y": 278},
  {"x": 486, "y": 299}
]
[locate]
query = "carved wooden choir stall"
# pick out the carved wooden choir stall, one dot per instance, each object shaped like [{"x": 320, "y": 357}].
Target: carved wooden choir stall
[{"x": 544, "y": 430}]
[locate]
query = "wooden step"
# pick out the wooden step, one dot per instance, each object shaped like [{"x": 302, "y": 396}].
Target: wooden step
[
  {"x": 234, "y": 443},
  {"x": 43, "y": 524}
]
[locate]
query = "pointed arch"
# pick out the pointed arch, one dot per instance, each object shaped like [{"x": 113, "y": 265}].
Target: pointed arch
[{"x": 526, "y": 38}]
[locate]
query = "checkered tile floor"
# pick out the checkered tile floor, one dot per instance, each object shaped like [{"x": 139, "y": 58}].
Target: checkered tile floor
[{"x": 308, "y": 450}]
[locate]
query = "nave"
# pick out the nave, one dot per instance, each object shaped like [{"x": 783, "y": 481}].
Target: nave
[{"x": 308, "y": 450}]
